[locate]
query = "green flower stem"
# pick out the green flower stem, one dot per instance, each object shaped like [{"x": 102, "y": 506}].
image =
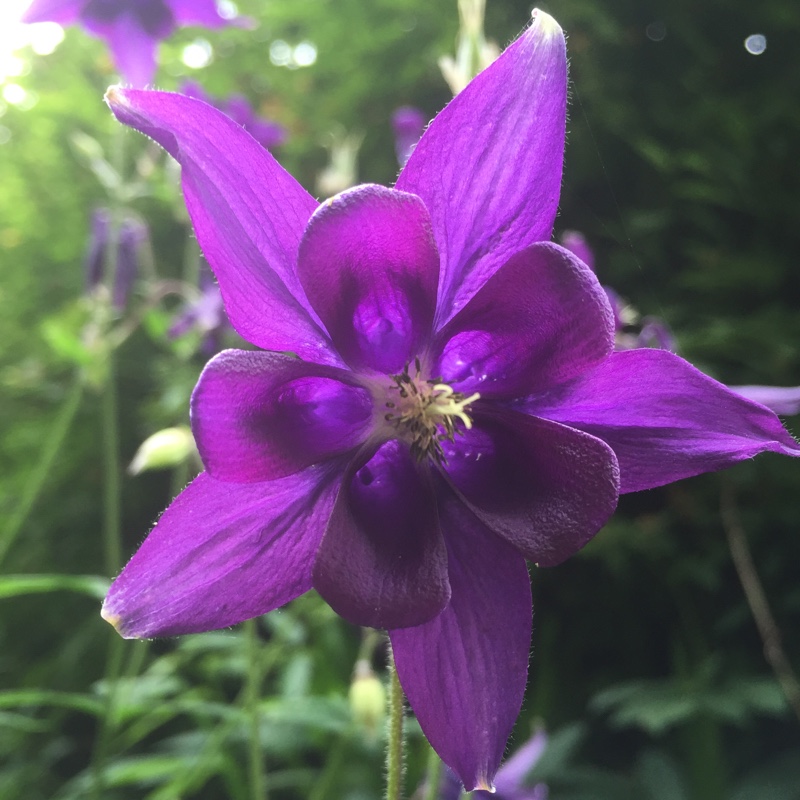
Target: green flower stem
[
  {"x": 258, "y": 782},
  {"x": 53, "y": 443},
  {"x": 434, "y": 776},
  {"x": 112, "y": 504},
  {"x": 323, "y": 788},
  {"x": 394, "y": 748}
]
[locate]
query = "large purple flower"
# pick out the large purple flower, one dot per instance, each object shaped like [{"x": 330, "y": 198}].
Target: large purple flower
[
  {"x": 455, "y": 406},
  {"x": 132, "y": 28}
]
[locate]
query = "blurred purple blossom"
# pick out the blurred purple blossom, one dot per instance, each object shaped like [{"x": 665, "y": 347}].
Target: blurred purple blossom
[
  {"x": 511, "y": 781},
  {"x": 266, "y": 132},
  {"x": 437, "y": 398},
  {"x": 96, "y": 253},
  {"x": 123, "y": 249},
  {"x": 206, "y": 315},
  {"x": 131, "y": 28},
  {"x": 408, "y": 123}
]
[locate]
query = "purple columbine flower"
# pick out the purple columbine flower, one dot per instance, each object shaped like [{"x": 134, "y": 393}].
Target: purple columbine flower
[
  {"x": 455, "y": 406},
  {"x": 132, "y": 28},
  {"x": 268, "y": 133},
  {"x": 408, "y": 123}
]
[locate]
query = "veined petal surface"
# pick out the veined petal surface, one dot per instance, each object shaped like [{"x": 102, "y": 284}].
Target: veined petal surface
[
  {"x": 223, "y": 553},
  {"x": 464, "y": 672},
  {"x": 545, "y": 488},
  {"x": 664, "y": 419},
  {"x": 258, "y": 416},
  {"x": 489, "y": 165},
  {"x": 382, "y": 562},
  {"x": 540, "y": 320},
  {"x": 369, "y": 267},
  {"x": 248, "y": 212}
]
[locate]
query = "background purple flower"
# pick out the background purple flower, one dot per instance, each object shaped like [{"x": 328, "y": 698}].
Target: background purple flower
[
  {"x": 131, "y": 28},
  {"x": 206, "y": 314},
  {"x": 408, "y": 123},
  {"x": 455, "y": 406}
]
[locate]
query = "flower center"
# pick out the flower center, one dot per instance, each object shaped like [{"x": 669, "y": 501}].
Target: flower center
[{"x": 426, "y": 413}]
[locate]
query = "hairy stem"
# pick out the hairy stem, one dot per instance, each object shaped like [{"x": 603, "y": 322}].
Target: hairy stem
[
  {"x": 394, "y": 747},
  {"x": 757, "y": 599}
]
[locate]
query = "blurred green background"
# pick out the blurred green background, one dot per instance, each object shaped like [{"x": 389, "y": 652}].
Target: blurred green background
[{"x": 647, "y": 668}]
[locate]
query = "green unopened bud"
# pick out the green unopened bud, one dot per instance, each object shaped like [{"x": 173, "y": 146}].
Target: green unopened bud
[
  {"x": 165, "y": 448},
  {"x": 367, "y": 698}
]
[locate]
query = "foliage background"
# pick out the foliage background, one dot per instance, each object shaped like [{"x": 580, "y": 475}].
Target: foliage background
[{"x": 646, "y": 668}]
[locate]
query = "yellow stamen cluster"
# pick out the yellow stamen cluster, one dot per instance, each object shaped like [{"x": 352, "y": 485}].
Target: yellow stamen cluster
[{"x": 425, "y": 412}]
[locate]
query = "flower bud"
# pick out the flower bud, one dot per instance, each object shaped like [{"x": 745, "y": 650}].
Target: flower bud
[
  {"x": 367, "y": 698},
  {"x": 165, "y": 448}
]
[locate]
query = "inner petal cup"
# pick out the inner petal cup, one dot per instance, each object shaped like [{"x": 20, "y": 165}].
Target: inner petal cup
[
  {"x": 382, "y": 562},
  {"x": 545, "y": 488},
  {"x": 259, "y": 416},
  {"x": 541, "y": 319},
  {"x": 369, "y": 267}
]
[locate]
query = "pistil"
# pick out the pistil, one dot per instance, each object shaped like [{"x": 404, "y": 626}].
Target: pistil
[{"x": 426, "y": 413}]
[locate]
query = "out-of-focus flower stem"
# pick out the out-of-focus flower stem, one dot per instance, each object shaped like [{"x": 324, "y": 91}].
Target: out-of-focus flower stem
[
  {"x": 434, "y": 773},
  {"x": 394, "y": 746},
  {"x": 258, "y": 781},
  {"x": 757, "y": 598},
  {"x": 52, "y": 446}
]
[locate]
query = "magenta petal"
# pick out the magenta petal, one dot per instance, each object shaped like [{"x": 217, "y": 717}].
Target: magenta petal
[
  {"x": 489, "y": 165},
  {"x": 259, "y": 416},
  {"x": 223, "y": 553},
  {"x": 64, "y": 12},
  {"x": 370, "y": 268},
  {"x": 197, "y": 12},
  {"x": 545, "y": 488},
  {"x": 540, "y": 320},
  {"x": 464, "y": 672},
  {"x": 133, "y": 50},
  {"x": 382, "y": 562},
  {"x": 663, "y": 418},
  {"x": 248, "y": 212}
]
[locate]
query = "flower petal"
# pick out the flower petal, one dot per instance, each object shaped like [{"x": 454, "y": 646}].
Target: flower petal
[
  {"x": 248, "y": 213},
  {"x": 369, "y": 266},
  {"x": 259, "y": 416},
  {"x": 541, "y": 319},
  {"x": 464, "y": 672},
  {"x": 223, "y": 553},
  {"x": 488, "y": 168},
  {"x": 382, "y": 562},
  {"x": 198, "y": 12},
  {"x": 133, "y": 49},
  {"x": 663, "y": 418},
  {"x": 64, "y": 12},
  {"x": 545, "y": 488},
  {"x": 513, "y": 775}
]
